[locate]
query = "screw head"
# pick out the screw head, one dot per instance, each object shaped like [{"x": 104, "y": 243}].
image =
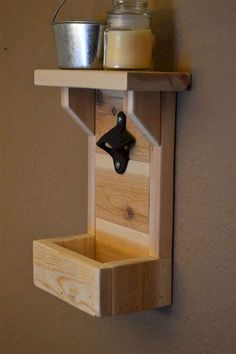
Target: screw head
[
  {"x": 117, "y": 164},
  {"x": 114, "y": 111}
]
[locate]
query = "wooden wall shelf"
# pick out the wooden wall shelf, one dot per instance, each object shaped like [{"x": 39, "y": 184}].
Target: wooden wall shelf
[
  {"x": 123, "y": 263},
  {"x": 114, "y": 80}
]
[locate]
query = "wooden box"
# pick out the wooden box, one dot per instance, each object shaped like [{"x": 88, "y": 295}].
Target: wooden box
[{"x": 99, "y": 279}]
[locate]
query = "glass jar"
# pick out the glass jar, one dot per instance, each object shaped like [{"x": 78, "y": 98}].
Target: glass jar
[{"x": 128, "y": 36}]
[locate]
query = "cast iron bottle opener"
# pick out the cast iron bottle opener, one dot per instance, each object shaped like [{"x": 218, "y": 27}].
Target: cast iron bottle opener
[{"x": 117, "y": 142}]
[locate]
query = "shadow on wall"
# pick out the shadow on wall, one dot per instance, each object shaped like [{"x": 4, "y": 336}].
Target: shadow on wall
[
  {"x": 166, "y": 45},
  {"x": 164, "y": 29}
]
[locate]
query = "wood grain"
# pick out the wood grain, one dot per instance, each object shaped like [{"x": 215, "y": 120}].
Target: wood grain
[
  {"x": 122, "y": 199},
  {"x": 123, "y": 263},
  {"x": 114, "y": 80},
  {"x": 135, "y": 287},
  {"x": 79, "y": 104},
  {"x": 82, "y": 244},
  {"x": 72, "y": 277},
  {"x": 91, "y": 223},
  {"x": 165, "y": 280},
  {"x": 108, "y": 105},
  {"x": 114, "y": 242},
  {"x": 123, "y": 234},
  {"x": 161, "y": 182},
  {"x": 122, "y": 284},
  {"x": 144, "y": 110}
]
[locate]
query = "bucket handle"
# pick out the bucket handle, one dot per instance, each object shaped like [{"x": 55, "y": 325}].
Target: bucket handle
[{"x": 57, "y": 10}]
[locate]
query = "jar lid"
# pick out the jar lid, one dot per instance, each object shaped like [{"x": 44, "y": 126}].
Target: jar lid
[
  {"x": 132, "y": 7},
  {"x": 128, "y": 21}
]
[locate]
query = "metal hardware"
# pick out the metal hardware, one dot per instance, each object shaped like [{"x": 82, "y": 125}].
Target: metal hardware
[
  {"x": 117, "y": 142},
  {"x": 79, "y": 44}
]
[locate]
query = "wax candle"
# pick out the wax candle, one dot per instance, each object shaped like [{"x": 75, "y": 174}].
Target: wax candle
[
  {"x": 129, "y": 49},
  {"x": 128, "y": 36}
]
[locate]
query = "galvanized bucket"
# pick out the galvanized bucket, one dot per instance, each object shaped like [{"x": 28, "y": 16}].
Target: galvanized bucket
[{"x": 79, "y": 44}]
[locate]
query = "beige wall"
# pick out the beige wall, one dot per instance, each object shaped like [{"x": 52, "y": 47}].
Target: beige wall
[{"x": 43, "y": 177}]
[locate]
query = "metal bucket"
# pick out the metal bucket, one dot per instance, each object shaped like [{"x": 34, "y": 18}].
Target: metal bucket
[{"x": 79, "y": 44}]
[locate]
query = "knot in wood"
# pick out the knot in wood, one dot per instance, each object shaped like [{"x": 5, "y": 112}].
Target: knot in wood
[
  {"x": 129, "y": 213},
  {"x": 114, "y": 111}
]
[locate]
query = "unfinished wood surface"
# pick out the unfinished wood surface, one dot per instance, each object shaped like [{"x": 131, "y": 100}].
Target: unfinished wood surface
[
  {"x": 122, "y": 199},
  {"x": 91, "y": 218},
  {"x": 136, "y": 238},
  {"x": 161, "y": 182},
  {"x": 144, "y": 110},
  {"x": 72, "y": 277},
  {"x": 165, "y": 282},
  {"x": 123, "y": 264},
  {"x": 82, "y": 244},
  {"x": 108, "y": 105},
  {"x": 79, "y": 104},
  {"x": 168, "y": 109},
  {"x": 115, "y": 242},
  {"x": 135, "y": 287},
  {"x": 114, "y": 80},
  {"x": 64, "y": 267}
]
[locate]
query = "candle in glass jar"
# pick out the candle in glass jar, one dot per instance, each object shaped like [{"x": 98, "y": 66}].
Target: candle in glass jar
[{"x": 129, "y": 49}]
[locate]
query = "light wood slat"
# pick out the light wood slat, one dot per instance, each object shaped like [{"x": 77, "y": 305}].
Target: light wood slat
[
  {"x": 134, "y": 167},
  {"x": 155, "y": 201},
  {"x": 165, "y": 279},
  {"x": 122, "y": 234},
  {"x": 112, "y": 249},
  {"x": 115, "y": 242},
  {"x": 144, "y": 110},
  {"x": 158, "y": 81},
  {"x": 79, "y": 104},
  {"x": 135, "y": 287},
  {"x": 91, "y": 227},
  {"x": 168, "y": 108},
  {"x": 82, "y": 244},
  {"x": 161, "y": 182},
  {"x": 122, "y": 199},
  {"x": 108, "y": 105},
  {"x": 114, "y": 80},
  {"x": 74, "y": 278},
  {"x": 130, "y": 261}
]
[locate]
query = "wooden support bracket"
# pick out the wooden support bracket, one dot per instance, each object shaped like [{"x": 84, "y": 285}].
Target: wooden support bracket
[{"x": 75, "y": 102}]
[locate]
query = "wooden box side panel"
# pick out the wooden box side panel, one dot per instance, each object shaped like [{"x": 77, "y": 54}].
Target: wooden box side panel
[
  {"x": 140, "y": 286},
  {"x": 74, "y": 279}
]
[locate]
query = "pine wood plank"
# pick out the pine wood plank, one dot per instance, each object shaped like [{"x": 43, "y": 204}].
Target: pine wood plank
[
  {"x": 168, "y": 108},
  {"x": 79, "y": 104},
  {"x": 135, "y": 287},
  {"x": 82, "y": 244},
  {"x": 98, "y": 287},
  {"x": 144, "y": 110},
  {"x": 114, "y": 80},
  {"x": 114, "y": 242},
  {"x": 91, "y": 219},
  {"x": 108, "y": 105},
  {"x": 122, "y": 199},
  {"x": 74, "y": 278},
  {"x": 165, "y": 280},
  {"x": 122, "y": 234},
  {"x": 161, "y": 182}
]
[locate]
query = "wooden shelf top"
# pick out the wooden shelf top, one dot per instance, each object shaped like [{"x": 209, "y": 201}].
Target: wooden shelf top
[{"x": 114, "y": 80}]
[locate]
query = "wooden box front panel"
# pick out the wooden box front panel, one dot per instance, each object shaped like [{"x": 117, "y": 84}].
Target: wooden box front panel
[{"x": 72, "y": 274}]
